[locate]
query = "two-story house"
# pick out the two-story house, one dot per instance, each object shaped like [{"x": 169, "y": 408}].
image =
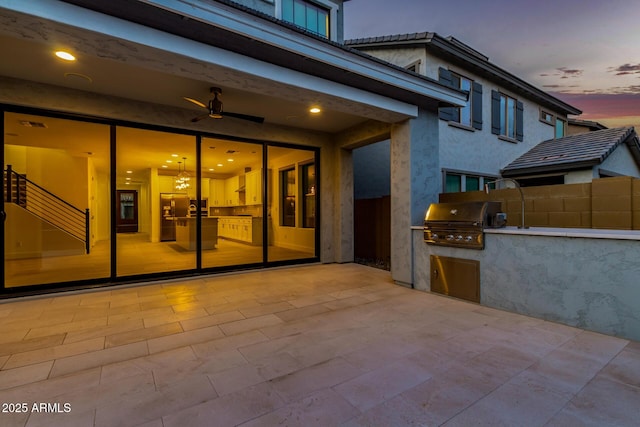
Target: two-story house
[
  {"x": 503, "y": 118},
  {"x": 162, "y": 138}
]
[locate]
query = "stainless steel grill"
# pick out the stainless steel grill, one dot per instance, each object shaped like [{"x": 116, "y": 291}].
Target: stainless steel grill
[{"x": 461, "y": 224}]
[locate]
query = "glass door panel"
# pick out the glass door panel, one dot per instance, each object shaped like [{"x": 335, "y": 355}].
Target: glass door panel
[
  {"x": 292, "y": 220},
  {"x": 232, "y": 210},
  {"x": 57, "y": 227},
  {"x": 155, "y": 182}
]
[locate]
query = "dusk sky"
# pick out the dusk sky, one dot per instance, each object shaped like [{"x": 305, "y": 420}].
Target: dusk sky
[{"x": 585, "y": 52}]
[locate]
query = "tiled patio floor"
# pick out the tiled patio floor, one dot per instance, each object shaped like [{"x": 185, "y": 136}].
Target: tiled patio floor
[{"x": 316, "y": 345}]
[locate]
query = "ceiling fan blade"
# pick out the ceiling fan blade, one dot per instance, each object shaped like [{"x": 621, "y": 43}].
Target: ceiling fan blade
[
  {"x": 195, "y": 101},
  {"x": 254, "y": 119},
  {"x": 197, "y": 119}
]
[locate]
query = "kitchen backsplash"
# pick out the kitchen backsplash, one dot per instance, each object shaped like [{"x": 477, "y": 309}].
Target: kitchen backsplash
[{"x": 255, "y": 210}]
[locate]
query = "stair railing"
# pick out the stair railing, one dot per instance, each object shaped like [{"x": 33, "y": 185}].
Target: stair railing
[{"x": 47, "y": 206}]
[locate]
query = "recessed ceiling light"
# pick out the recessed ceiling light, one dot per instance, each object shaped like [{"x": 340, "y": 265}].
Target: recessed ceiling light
[
  {"x": 129, "y": 171},
  {"x": 174, "y": 155},
  {"x": 128, "y": 179},
  {"x": 229, "y": 160},
  {"x": 211, "y": 169},
  {"x": 65, "y": 55},
  {"x": 165, "y": 166},
  {"x": 169, "y": 161},
  {"x": 314, "y": 110},
  {"x": 220, "y": 165}
]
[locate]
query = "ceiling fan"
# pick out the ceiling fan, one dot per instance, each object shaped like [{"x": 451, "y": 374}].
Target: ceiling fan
[{"x": 216, "y": 111}]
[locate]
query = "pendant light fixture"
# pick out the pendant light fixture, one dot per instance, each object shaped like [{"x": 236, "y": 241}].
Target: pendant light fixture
[{"x": 183, "y": 177}]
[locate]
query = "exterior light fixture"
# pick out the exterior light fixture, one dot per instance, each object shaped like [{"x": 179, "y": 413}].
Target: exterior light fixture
[
  {"x": 65, "y": 55},
  {"x": 314, "y": 110}
]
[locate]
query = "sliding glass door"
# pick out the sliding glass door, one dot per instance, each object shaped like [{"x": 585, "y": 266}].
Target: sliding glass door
[
  {"x": 56, "y": 188},
  {"x": 96, "y": 203},
  {"x": 294, "y": 209},
  {"x": 155, "y": 191}
]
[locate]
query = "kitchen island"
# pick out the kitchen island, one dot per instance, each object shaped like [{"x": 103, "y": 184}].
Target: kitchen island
[{"x": 186, "y": 233}]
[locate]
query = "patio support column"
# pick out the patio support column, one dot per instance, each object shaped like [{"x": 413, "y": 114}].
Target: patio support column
[
  {"x": 343, "y": 237},
  {"x": 415, "y": 175}
]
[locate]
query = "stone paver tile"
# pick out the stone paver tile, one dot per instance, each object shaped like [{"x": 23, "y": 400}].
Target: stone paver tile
[
  {"x": 211, "y": 320},
  {"x": 624, "y": 368},
  {"x": 53, "y": 352},
  {"x": 24, "y": 375},
  {"x": 239, "y": 326},
  {"x": 568, "y": 370},
  {"x": 21, "y": 346},
  {"x": 72, "y": 418},
  {"x": 94, "y": 359},
  {"x": 266, "y": 309},
  {"x": 66, "y": 327},
  {"x": 235, "y": 379},
  {"x": 339, "y": 304},
  {"x": 393, "y": 412},
  {"x": 302, "y": 312},
  {"x": 448, "y": 393},
  {"x": 277, "y": 365},
  {"x": 301, "y": 383},
  {"x": 182, "y": 339},
  {"x": 598, "y": 346},
  {"x": 103, "y": 331},
  {"x": 323, "y": 408},
  {"x": 311, "y": 300},
  {"x": 176, "y": 317},
  {"x": 51, "y": 390},
  {"x": 374, "y": 387},
  {"x": 229, "y": 410},
  {"x": 154, "y": 312},
  {"x": 526, "y": 400},
  {"x": 150, "y": 406},
  {"x": 206, "y": 349},
  {"x": 602, "y": 402},
  {"x": 143, "y": 334}
]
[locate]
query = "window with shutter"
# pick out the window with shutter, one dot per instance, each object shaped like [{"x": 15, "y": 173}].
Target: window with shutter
[
  {"x": 507, "y": 116},
  {"x": 469, "y": 115}
]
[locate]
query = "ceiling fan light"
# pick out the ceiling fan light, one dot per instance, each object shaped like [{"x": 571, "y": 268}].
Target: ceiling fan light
[{"x": 215, "y": 108}]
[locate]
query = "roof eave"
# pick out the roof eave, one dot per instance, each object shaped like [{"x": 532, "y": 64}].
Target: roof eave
[{"x": 559, "y": 167}]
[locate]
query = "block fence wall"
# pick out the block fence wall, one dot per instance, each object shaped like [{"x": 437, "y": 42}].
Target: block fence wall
[{"x": 604, "y": 203}]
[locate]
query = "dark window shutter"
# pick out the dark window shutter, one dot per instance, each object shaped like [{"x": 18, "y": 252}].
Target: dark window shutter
[
  {"x": 444, "y": 77},
  {"x": 476, "y": 107},
  {"x": 495, "y": 112},
  {"x": 519, "y": 121}
]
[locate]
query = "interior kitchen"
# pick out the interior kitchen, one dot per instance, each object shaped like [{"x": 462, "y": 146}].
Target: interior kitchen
[{"x": 257, "y": 200}]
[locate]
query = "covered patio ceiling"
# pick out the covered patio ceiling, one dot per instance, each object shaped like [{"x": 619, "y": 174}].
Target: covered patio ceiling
[{"x": 131, "y": 61}]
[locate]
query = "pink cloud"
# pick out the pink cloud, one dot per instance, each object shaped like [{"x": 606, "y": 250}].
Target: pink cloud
[{"x": 612, "y": 106}]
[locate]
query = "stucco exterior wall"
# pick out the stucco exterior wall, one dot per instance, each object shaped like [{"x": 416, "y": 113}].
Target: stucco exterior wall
[
  {"x": 468, "y": 150},
  {"x": 621, "y": 162}
]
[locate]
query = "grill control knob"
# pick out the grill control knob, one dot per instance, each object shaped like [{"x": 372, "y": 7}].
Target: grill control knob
[
  {"x": 468, "y": 238},
  {"x": 459, "y": 237},
  {"x": 434, "y": 236},
  {"x": 450, "y": 237}
]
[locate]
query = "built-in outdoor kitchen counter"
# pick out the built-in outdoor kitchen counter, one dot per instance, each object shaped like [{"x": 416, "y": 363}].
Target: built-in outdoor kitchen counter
[{"x": 587, "y": 278}]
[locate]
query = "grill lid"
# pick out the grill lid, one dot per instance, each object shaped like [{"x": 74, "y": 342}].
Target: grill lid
[{"x": 463, "y": 212}]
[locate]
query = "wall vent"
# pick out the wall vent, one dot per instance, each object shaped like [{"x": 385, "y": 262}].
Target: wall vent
[{"x": 30, "y": 124}]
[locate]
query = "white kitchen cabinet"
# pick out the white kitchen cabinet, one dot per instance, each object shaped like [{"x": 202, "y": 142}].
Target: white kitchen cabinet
[
  {"x": 232, "y": 195},
  {"x": 253, "y": 185},
  {"x": 217, "y": 193},
  {"x": 241, "y": 229}
]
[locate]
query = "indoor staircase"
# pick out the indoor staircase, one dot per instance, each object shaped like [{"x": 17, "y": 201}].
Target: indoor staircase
[{"x": 46, "y": 206}]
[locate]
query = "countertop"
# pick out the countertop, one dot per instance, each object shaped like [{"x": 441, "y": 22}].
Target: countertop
[{"x": 587, "y": 233}]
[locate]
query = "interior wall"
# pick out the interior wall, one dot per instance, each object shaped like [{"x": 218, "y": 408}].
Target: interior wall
[{"x": 297, "y": 237}]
